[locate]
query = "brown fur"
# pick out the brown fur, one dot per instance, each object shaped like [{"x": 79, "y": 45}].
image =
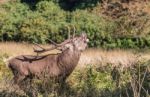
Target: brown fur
[{"x": 56, "y": 66}]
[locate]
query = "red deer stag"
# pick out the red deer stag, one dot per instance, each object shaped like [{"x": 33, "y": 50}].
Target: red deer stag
[{"x": 58, "y": 66}]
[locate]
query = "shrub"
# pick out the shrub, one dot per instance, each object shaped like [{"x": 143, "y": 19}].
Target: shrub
[
  {"x": 19, "y": 22},
  {"x": 101, "y": 81}
]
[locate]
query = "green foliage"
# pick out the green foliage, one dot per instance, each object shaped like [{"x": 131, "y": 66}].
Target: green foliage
[
  {"x": 102, "y": 81},
  {"x": 4, "y": 71},
  {"x": 19, "y": 22},
  {"x": 12, "y": 15},
  {"x": 91, "y": 82},
  {"x": 82, "y": 4}
]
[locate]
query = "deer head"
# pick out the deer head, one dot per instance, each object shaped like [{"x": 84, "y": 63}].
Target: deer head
[
  {"x": 77, "y": 43},
  {"x": 73, "y": 42}
]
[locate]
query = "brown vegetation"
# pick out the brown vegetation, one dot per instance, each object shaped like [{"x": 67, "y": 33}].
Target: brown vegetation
[
  {"x": 90, "y": 56},
  {"x": 82, "y": 77}
]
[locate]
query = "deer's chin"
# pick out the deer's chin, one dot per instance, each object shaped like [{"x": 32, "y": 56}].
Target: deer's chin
[{"x": 82, "y": 50}]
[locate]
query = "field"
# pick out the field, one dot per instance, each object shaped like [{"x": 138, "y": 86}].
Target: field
[
  {"x": 90, "y": 56},
  {"x": 100, "y": 73},
  {"x": 115, "y": 64}
]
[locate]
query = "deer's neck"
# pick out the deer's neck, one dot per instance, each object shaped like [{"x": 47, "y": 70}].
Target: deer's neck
[{"x": 68, "y": 60}]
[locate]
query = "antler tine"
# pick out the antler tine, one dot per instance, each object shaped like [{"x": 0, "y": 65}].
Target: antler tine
[
  {"x": 54, "y": 43},
  {"x": 68, "y": 32},
  {"x": 74, "y": 30},
  {"x": 43, "y": 49},
  {"x": 38, "y": 51},
  {"x": 38, "y": 46},
  {"x": 61, "y": 44}
]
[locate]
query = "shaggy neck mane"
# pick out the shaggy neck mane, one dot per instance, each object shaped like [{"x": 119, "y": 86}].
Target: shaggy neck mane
[{"x": 68, "y": 60}]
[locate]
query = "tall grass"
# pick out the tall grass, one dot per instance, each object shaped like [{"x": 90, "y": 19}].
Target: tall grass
[
  {"x": 90, "y": 56},
  {"x": 93, "y": 79},
  {"x": 90, "y": 82}
]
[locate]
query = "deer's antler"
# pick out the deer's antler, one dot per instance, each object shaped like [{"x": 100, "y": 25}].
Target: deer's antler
[
  {"x": 74, "y": 30},
  {"x": 42, "y": 50},
  {"x": 68, "y": 32},
  {"x": 55, "y": 45}
]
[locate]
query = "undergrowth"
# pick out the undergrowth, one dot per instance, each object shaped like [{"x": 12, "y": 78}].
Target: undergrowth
[
  {"x": 93, "y": 81},
  {"x": 43, "y": 20}
]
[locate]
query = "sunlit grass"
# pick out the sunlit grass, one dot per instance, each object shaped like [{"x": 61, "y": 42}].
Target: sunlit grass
[
  {"x": 90, "y": 56},
  {"x": 94, "y": 75}
]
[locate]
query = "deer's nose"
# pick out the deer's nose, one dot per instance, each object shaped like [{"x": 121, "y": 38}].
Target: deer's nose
[{"x": 87, "y": 40}]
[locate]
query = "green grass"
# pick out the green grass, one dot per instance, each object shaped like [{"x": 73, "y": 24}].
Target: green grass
[
  {"x": 86, "y": 82},
  {"x": 105, "y": 78},
  {"x": 48, "y": 20}
]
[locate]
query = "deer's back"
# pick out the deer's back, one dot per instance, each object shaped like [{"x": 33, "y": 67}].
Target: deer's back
[{"x": 28, "y": 64}]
